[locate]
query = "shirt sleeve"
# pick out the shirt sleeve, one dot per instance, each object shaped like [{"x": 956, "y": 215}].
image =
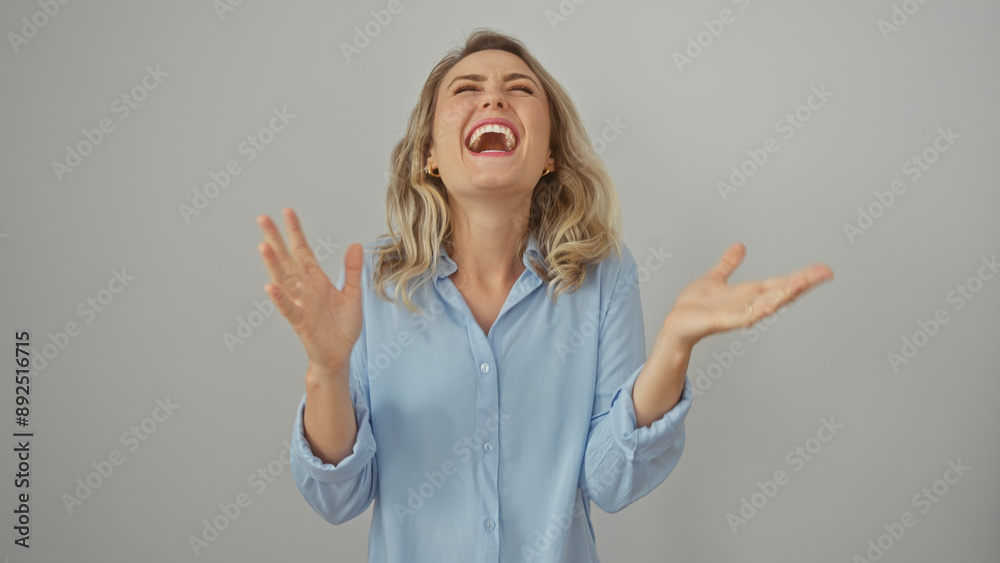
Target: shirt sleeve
[
  {"x": 623, "y": 463},
  {"x": 340, "y": 492}
]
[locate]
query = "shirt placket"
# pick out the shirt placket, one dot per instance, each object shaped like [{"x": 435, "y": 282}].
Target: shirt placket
[
  {"x": 488, "y": 416},
  {"x": 486, "y": 436},
  {"x": 486, "y": 432}
]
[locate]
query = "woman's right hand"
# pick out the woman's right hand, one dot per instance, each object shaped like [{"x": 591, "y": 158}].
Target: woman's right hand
[{"x": 327, "y": 320}]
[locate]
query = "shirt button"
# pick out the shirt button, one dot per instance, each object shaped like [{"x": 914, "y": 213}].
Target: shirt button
[
  {"x": 484, "y": 367},
  {"x": 490, "y": 525},
  {"x": 488, "y": 447}
]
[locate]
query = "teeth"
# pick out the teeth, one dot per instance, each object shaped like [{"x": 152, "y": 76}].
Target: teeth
[{"x": 493, "y": 128}]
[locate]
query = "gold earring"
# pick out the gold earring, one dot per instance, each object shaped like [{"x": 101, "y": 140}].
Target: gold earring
[
  {"x": 547, "y": 170},
  {"x": 430, "y": 171}
]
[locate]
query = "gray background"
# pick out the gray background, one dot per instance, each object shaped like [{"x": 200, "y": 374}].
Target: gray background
[{"x": 826, "y": 356}]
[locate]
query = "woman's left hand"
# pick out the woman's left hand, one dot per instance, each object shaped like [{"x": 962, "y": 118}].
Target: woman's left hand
[{"x": 710, "y": 305}]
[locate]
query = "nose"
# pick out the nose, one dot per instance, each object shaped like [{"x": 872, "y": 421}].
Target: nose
[{"x": 494, "y": 98}]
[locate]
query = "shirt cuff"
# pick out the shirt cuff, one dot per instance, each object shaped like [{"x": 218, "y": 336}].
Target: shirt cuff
[
  {"x": 651, "y": 441},
  {"x": 350, "y": 466}
]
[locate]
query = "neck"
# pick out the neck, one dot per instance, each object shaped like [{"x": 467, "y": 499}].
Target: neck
[{"x": 484, "y": 244}]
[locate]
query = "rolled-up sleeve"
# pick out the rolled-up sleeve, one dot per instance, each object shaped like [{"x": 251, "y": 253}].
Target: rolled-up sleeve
[
  {"x": 623, "y": 463},
  {"x": 339, "y": 492}
]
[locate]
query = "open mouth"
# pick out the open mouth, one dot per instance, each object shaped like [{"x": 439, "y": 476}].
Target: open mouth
[{"x": 492, "y": 138}]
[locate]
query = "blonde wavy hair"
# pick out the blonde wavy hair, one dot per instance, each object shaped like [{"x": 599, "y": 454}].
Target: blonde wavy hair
[{"x": 575, "y": 215}]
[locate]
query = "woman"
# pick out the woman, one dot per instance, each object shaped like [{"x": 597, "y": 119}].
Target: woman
[{"x": 505, "y": 385}]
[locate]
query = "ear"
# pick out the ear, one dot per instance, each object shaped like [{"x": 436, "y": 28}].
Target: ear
[{"x": 551, "y": 162}]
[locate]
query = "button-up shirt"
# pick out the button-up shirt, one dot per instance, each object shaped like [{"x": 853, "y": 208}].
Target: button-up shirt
[{"x": 491, "y": 446}]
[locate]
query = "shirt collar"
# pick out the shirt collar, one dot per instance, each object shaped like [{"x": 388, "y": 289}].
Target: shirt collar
[{"x": 446, "y": 266}]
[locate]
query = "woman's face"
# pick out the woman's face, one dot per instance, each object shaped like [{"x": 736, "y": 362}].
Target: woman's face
[{"x": 491, "y": 126}]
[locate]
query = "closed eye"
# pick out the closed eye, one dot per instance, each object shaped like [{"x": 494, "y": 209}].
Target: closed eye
[{"x": 469, "y": 87}]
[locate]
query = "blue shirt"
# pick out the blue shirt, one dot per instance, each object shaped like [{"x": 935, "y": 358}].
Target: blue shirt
[{"x": 491, "y": 447}]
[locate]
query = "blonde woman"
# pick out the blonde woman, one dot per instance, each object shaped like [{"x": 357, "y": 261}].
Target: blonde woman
[{"x": 481, "y": 373}]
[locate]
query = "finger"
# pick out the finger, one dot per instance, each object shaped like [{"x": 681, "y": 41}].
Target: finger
[
  {"x": 800, "y": 280},
  {"x": 297, "y": 241},
  {"x": 352, "y": 270},
  {"x": 274, "y": 240},
  {"x": 284, "y": 305},
  {"x": 729, "y": 261},
  {"x": 274, "y": 268},
  {"x": 782, "y": 290}
]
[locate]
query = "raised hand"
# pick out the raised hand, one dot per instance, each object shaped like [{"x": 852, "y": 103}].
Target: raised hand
[
  {"x": 710, "y": 305},
  {"x": 327, "y": 320}
]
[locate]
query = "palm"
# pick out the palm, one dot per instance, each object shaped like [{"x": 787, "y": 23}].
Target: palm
[
  {"x": 327, "y": 320},
  {"x": 711, "y": 305},
  {"x": 336, "y": 318}
]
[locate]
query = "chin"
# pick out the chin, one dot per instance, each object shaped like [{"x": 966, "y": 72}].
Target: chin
[{"x": 498, "y": 183}]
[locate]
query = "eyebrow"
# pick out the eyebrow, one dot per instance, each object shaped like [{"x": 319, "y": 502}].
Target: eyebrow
[{"x": 507, "y": 78}]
